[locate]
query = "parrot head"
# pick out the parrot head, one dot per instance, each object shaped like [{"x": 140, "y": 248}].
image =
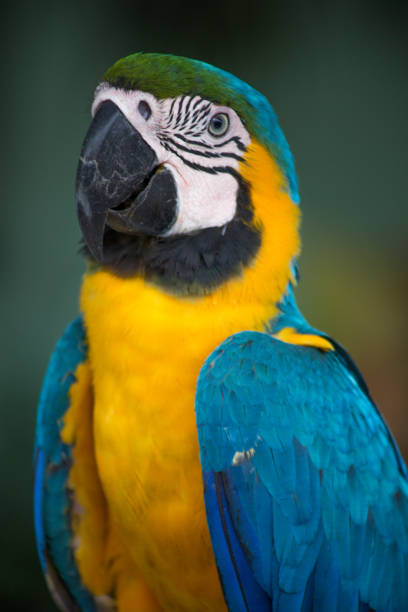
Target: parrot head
[{"x": 180, "y": 172}]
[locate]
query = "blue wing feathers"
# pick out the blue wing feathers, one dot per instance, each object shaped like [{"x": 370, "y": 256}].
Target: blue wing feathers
[
  {"x": 39, "y": 467},
  {"x": 314, "y": 484},
  {"x": 235, "y": 565},
  {"x": 51, "y": 496}
]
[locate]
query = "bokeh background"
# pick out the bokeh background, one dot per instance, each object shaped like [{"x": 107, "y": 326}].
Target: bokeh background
[{"x": 336, "y": 74}]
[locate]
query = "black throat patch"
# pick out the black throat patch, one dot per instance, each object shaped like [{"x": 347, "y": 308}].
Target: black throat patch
[{"x": 188, "y": 264}]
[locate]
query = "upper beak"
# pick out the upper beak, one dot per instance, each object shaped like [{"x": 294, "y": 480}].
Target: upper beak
[{"x": 117, "y": 168}]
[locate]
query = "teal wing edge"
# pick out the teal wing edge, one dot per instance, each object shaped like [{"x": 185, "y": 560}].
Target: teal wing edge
[
  {"x": 52, "y": 459},
  {"x": 306, "y": 494}
]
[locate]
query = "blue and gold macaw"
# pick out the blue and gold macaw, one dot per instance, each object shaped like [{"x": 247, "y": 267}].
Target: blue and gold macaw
[{"x": 199, "y": 445}]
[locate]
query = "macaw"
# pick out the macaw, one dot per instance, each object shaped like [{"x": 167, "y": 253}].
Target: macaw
[{"x": 199, "y": 445}]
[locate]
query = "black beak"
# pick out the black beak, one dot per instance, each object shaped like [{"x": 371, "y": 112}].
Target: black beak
[{"x": 120, "y": 182}]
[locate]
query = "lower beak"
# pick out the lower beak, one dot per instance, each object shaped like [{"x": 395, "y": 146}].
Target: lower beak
[{"x": 120, "y": 183}]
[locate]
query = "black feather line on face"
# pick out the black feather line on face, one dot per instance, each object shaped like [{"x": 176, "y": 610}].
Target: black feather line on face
[
  {"x": 187, "y": 109},
  {"x": 188, "y": 264},
  {"x": 235, "y": 139},
  {"x": 208, "y": 154},
  {"x": 197, "y": 143},
  {"x": 180, "y": 110},
  {"x": 170, "y": 116}
]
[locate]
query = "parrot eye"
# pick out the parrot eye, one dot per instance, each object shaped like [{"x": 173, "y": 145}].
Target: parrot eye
[
  {"x": 219, "y": 124},
  {"x": 144, "y": 109}
]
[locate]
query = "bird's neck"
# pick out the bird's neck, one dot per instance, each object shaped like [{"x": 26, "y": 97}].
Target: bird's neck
[{"x": 141, "y": 316}]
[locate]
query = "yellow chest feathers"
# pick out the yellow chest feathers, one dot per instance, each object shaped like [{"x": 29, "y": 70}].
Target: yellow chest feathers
[{"x": 146, "y": 348}]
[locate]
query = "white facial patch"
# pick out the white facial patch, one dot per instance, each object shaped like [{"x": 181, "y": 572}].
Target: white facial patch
[{"x": 203, "y": 165}]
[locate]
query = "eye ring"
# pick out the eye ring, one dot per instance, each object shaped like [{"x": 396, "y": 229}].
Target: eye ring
[
  {"x": 144, "y": 109},
  {"x": 219, "y": 124}
]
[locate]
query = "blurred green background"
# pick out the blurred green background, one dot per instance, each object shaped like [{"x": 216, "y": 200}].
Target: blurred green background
[{"x": 336, "y": 74}]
